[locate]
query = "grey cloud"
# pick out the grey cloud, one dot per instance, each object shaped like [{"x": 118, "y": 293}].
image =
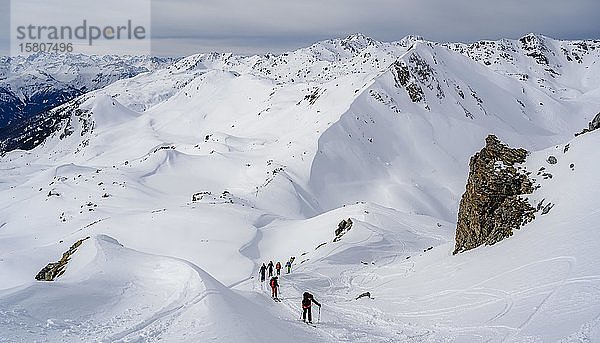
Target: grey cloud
[
  {"x": 4, "y": 27},
  {"x": 182, "y": 27},
  {"x": 267, "y": 25}
]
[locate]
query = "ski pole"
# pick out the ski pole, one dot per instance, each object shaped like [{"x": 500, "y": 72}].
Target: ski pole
[{"x": 319, "y": 314}]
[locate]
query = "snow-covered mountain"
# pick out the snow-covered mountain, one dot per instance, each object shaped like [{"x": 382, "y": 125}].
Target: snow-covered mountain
[
  {"x": 189, "y": 177},
  {"x": 33, "y": 84}
]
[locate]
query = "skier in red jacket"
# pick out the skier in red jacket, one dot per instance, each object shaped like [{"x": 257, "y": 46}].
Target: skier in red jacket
[{"x": 274, "y": 286}]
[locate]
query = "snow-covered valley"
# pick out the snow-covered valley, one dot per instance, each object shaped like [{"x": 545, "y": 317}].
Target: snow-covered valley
[{"x": 188, "y": 178}]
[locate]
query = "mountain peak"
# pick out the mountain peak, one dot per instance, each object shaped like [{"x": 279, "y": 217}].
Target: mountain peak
[
  {"x": 532, "y": 35},
  {"x": 356, "y": 42},
  {"x": 411, "y": 39},
  {"x": 358, "y": 37}
]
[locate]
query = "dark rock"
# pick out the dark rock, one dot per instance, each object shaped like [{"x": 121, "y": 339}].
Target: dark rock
[
  {"x": 535, "y": 47},
  {"x": 320, "y": 245},
  {"x": 552, "y": 160},
  {"x": 364, "y": 295},
  {"x": 405, "y": 77},
  {"x": 199, "y": 196},
  {"x": 343, "y": 227},
  {"x": 540, "y": 204},
  {"x": 547, "y": 208},
  {"x": 312, "y": 97},
  {"x": 593, "y": 125},
  {"x": 56, "y": 269},
  {"x": 491, "y": 207}
]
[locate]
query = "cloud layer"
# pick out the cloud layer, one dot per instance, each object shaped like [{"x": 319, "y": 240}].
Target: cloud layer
[
  {"x": 185, "y": 26},
  {"x": 182, "y": 27}
]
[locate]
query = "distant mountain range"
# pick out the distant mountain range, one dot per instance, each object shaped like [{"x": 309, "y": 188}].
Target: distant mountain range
[{"x": 33, "y": 84}]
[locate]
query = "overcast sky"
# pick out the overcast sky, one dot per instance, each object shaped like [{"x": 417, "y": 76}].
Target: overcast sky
[
  {"x": 249, "y": 26},
  {"x": 183, "y": 27}
]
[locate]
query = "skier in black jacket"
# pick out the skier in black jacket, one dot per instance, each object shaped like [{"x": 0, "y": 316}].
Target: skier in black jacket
[
  {"x": 262, "y": 272},
  {"x": 307, "y": 300},
  {"x": 270, "y": 266}
]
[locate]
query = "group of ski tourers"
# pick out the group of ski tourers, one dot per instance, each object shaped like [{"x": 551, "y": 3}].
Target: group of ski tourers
[
  {"x": 307, "y": 298},
  {"x": 274, "y": 283},
  {"x": 270, "y": 266}
]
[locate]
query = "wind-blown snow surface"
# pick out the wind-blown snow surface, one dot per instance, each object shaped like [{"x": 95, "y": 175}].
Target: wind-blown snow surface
[{"x": 278, "y": 150}]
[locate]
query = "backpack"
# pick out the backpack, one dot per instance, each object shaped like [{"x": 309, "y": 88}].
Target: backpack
[
  {"x": 273, "y": 283},
  {"x": 306, "y": 303},
  {"x": 306, "y": 300}
]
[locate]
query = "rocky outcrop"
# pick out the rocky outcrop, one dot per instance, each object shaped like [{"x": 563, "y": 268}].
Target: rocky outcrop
[
  {"x": 593, "y": 125},
  {"x": 343, "y": 227},
  {"x": 364, "y": 295},
  {"x": 56, "y": 269},
  {"x": 492, "y": 207}
]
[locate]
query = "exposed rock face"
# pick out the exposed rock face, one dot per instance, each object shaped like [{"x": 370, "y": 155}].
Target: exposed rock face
[
  {"x": 343, "y": 227},
  {"x": 56, "y": 269},
  {"x": 535, "y": 48},
  {"x": 364, "y": 295},
  {"x": 490, "y": 208},
  {"x": 593, "y": 125}
]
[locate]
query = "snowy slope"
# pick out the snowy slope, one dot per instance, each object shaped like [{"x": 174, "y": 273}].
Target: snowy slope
[
  {"x": 98, "y": 299},
  {"x": 540, "y": 285},
  {"x": 205, "y": 169}
]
